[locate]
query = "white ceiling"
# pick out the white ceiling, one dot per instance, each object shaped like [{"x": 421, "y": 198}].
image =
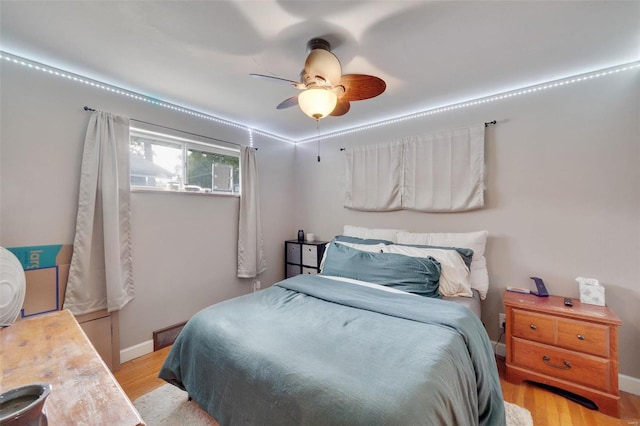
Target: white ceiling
[{"x": 198, "y": 54}]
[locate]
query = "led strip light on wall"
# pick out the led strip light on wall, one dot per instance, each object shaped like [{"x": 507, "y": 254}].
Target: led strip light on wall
[
  {"x": 133, "y": 95},
  {"x": 477, "y": 101},
  {"x": 482, "y": 100}
]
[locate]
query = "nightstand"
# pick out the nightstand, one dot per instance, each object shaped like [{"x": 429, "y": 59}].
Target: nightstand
[
  {"x": 570, "y": 348},
  {"x": 303, "y": 257}
]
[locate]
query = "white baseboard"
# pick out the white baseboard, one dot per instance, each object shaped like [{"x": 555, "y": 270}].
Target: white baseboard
[
  {"x": 625, "y": 383},
  {"x": 629, "y": 384},
  {"x": 136, "y": 351}
]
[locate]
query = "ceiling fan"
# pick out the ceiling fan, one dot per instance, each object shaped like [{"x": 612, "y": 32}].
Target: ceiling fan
[{"x": 324, "y": 90}]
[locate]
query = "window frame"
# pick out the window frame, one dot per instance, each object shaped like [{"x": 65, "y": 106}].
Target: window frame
[{"x": 185, "y": 146}]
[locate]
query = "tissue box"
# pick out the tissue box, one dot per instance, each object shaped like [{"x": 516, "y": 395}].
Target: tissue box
[{"x": 592, "y": 294}]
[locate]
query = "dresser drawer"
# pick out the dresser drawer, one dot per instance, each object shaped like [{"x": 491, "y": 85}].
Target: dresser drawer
[
  {"x": 310, "y": 255},
  {"x": 584, "y": 337},
  {"x": 309, "y": 271},
  {"x": 558, "y": 363},
  {"x": 530, "y": 326},
  {"x": 293, "y": 253}
]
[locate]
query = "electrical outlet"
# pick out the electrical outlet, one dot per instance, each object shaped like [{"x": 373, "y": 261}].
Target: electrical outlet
[
  {"x": 502, "y": 321},
  {"x": 256, "y": 285}
]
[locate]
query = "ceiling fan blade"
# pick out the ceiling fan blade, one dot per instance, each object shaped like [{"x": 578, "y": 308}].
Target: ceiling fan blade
[
  {"x": 361, "y": 86},
  {"x": 324, "y": 64},
  {"x": 296, "y": 84},
  {"x": 342, "y": 107},
  {"x": 287, "y": 103}
]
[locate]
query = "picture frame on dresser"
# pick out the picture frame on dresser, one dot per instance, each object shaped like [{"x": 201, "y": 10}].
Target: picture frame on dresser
[
  {"x": 573, "y": 348},
  {"x": 303, "y": 257}
]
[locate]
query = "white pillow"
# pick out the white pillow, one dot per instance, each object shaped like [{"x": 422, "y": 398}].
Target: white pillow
[
  {"x": 371, "y": 233},
  {"x": 455, "y": 279},
  {"x": 476, "y": 241},
  {"x": 372, "y": 248}
]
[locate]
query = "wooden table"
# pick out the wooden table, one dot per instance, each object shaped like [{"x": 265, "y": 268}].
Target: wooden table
[{"x": 52, "y": 348}]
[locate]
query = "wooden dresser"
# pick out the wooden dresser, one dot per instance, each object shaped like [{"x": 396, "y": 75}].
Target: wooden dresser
[
  {"x": 571, "y": 348},
  {"x": 52, "y": 348}
]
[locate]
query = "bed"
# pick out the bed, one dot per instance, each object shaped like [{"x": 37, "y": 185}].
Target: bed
[
  {"x": 337, "y": 349},
  {"x": 472, "y": 303}
]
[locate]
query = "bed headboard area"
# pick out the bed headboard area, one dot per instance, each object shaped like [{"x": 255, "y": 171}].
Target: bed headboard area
[{"x": 475, "y": 241}]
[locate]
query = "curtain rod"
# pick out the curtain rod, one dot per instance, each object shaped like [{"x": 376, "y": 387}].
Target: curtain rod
[
  {"x": 89, "y": 109},
  {"x": 485, "y": 125}
]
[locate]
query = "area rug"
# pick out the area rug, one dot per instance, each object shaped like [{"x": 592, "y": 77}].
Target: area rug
[
  {"x": 517, "y": 415},
  {"x": 168, "y": 406}
]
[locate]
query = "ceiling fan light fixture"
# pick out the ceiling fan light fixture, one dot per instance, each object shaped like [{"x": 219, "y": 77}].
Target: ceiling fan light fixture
[
  {"x": 317, "y": 102},
  {"x": 324, "y": 89}
]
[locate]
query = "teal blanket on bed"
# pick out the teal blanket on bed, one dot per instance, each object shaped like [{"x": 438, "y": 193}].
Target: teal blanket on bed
[{"x": 314, "y": 351}]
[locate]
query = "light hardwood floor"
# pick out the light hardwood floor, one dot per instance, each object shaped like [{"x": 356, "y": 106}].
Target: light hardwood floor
[{"x": 139, "y": 376}]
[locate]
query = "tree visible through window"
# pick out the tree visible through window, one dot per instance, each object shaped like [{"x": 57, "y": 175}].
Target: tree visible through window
[
  {"x": 154, "y": 163},
  {"x": 158, "y": 161}
]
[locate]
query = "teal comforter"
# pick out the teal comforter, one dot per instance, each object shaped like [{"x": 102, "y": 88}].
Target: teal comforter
[{"x": 314, "y": 351}]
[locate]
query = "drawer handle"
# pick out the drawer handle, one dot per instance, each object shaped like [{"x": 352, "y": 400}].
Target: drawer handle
[
  {"x": 533, "y": 326},
  {"x": 581, "y": 337},
  {"x": 566, "y": 366}
]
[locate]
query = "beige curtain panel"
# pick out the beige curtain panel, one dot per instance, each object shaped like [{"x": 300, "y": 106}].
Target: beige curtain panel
[
  {"x": 374, "y": 177},
  {"x": 251, "y": 257},
  {"x": 100, "y": 275},
  {"x": 438, "y": 172},
  {"x": 444, "y": 172}
]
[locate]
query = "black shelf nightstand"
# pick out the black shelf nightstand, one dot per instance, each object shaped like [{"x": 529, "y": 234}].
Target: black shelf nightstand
[{"x": 303, "y": 257}]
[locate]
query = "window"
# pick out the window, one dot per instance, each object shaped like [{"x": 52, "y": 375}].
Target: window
[{"x": 167, "y": 163}]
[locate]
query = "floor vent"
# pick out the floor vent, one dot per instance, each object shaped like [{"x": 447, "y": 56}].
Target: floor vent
[{"x": 166, "y": 336}]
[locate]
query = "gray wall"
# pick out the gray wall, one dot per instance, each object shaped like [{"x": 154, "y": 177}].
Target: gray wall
[
  {"x": 562, "y": 197},
  {"x": 184, "y": 245}
]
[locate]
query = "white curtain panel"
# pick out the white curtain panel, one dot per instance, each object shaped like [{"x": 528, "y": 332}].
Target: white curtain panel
[
  {"x": 444, "y": 171},
  {"x": 251, "y": 257},
  {"x": 439, "y": 172},
  {"x": 374, "y": 177},
  {"x": 100, "y": 276}
]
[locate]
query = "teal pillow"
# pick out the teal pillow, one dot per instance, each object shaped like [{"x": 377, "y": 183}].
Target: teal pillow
[
  {"x": 412, "y": 274},
  {"x": 356, "y": 240}
]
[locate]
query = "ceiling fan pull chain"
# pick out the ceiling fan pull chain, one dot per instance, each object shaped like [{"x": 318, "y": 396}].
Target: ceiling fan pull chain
[{"x": 318, "y": 137}]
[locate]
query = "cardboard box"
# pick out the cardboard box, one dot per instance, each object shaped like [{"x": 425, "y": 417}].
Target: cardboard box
[{"x": 46, "y": 272}]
